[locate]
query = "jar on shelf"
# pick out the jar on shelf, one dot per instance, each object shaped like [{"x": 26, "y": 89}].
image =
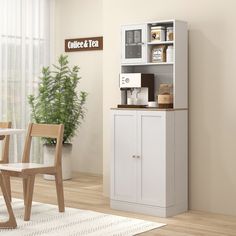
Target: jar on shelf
[
  {"x": 157, "y": 33},
  {"x": 170, "y": 53},
  {"x": 169, "y": 34},
  {"x": 159, "y": 53},
  {"x": 165, "y": 88},
  {"x": 165, "y": 101},
  {"x": 165, "y": 96}
]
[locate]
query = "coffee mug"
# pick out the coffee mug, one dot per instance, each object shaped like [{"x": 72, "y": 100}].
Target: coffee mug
[
  {"x": 130, "y": 101},
  {"x": 152, "y": 104}
]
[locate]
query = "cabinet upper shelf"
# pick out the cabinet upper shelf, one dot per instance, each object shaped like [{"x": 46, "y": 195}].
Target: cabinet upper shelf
[
  {"x": 150, "y": 43},
  {"x": 160, "y": 43},
  {"x": 148, "y": 64}
]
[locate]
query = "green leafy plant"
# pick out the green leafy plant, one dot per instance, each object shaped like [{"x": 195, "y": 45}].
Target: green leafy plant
[{"x": 57, "y": 101}]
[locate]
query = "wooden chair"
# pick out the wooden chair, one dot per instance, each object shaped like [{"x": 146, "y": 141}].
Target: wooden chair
[
  {"x": 5, "y": 153},
  {"x": 27, "y": 170}
]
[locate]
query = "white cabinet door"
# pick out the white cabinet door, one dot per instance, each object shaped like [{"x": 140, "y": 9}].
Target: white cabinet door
[
  {"x": 123, "y": 165},
  {"x": 134, "y": 44},
  {"x": 152, "y": 174}
]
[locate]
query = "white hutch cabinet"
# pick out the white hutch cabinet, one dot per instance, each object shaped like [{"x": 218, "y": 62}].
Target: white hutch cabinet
[{"x": 149, "y": 153}]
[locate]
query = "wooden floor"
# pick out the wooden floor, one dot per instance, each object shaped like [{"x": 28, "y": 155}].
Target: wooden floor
[{"x": 85, "y": 192}]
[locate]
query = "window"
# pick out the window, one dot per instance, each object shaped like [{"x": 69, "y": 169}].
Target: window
[{"x": 24, "y": 50}]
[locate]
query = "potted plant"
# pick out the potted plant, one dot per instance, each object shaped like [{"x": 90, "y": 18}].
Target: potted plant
[{"x": 58, "y": 102}]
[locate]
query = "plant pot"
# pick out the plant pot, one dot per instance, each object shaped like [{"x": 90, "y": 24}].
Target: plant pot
[{"x": 49, "y": 156}]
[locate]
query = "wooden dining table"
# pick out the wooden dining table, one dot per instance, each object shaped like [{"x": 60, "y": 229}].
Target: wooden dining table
[{"x": 11, "y": 222}]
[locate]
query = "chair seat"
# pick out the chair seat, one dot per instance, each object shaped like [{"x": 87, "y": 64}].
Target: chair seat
[{"x": 27, "y": 167}]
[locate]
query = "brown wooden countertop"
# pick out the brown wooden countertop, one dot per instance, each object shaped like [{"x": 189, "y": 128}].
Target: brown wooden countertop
[{"x": 151, "y": 109}]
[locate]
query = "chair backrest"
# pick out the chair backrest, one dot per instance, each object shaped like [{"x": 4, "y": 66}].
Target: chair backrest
[
  {"x": 5, "y": 145},
  {"x": 44, "y": 131}
]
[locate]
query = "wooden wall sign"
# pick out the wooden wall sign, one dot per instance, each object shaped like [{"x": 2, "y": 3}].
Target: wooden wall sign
[{"x": 83, "y": 44}]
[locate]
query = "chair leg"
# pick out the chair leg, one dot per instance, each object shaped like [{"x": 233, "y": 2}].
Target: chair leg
[
  {"x": 11, "y": 223},
  {"x": 60, "y": 192},
  {"x": 7, "y": 181},
  {"x": 24, "y": 189},
  {"x": 29, "y": 197}
]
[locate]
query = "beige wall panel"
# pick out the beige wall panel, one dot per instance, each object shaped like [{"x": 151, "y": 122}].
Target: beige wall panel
[{"x": 78, "y": 19}]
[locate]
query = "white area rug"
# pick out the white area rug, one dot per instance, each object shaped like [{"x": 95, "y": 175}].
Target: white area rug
[{"x": 46, "y": 220}]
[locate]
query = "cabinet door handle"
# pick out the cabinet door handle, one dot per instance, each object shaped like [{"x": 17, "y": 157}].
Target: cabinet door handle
[
  {"x": 142, "y": 43},
  {"x": 133, "y": 156},
  {"x": 138, "y": 156}
]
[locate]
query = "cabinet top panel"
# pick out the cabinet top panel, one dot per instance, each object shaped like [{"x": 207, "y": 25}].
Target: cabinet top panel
[{"x": 157, "y": 22}]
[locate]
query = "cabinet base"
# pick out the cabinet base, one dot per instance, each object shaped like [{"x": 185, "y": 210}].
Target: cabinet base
[{"x": 149, "y": 210}]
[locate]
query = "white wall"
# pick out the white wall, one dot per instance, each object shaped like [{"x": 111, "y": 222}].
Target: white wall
[
  {"x": 75, "y": 19},
  {"x": 212, "y": 85}
]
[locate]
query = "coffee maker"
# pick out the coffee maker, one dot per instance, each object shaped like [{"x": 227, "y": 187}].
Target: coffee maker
[{"x": 137, "y": 89}]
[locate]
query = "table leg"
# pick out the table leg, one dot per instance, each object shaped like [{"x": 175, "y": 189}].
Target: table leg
[{"x": 11, "y": 223}]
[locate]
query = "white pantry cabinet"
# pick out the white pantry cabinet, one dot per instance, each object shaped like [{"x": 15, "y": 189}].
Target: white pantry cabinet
[{"x": 149, "y": 161}]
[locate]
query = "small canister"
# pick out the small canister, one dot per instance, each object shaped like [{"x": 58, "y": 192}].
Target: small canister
[
  {"x": 165, "y": 101},
  {"x": 157, "y": 33},
  {"x": 165, "y": 96},
  {"x": 170, "y": 53},
  {"x": 169, "y": 34}
]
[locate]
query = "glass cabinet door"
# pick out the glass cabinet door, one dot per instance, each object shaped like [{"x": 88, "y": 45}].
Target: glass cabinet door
[{"x": 133, "y": 44}]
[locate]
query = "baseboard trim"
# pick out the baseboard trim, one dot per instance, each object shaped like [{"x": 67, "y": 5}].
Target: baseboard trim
[{"x": 147, "y": 209}]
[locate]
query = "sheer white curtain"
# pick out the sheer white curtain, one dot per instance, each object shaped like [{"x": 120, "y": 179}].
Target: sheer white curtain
[{"x": 24, "y": 49}]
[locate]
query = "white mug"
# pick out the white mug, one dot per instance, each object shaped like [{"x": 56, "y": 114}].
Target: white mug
[
  {"x": 152, "y": 104},
  {"x": 130, "y": 101}
]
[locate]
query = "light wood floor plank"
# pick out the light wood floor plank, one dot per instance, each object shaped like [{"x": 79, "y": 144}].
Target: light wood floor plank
[{"x": 85, "y": 192}]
